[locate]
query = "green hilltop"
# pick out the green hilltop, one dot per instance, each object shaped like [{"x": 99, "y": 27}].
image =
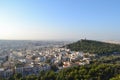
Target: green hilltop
[{"x": 93, "y": 46}]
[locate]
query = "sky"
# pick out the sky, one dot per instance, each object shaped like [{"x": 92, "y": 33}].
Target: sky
[{"x": 59, "y": 19}]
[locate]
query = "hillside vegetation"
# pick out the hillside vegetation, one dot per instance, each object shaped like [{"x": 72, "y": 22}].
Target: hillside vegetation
[
  {"x": 92, "y": 46},
  {"x": 88, "y": 72},
  {"x": 102, "y": 68}
]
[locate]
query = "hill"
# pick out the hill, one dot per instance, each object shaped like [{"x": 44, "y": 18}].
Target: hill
[{"x": 92, "y": 46}]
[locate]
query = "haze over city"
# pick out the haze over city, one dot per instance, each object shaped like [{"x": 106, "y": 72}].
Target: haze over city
[
  {"x": 59, "y": 19},
  {"x": 59, "y": 40}
]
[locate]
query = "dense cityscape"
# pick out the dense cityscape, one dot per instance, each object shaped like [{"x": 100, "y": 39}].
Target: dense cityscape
[
  {"x": 59, "y": 40},
  {"x": 27, "y": 58},
  {"x": 31, "y": 57}
]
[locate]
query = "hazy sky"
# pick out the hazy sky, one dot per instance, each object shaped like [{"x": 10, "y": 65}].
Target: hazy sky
[{"x": 60, "y": 19}]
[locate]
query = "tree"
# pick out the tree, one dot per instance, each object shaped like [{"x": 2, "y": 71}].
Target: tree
[
  {"x": 116, "y": 77},
  {"x": 17, "y": 76}
]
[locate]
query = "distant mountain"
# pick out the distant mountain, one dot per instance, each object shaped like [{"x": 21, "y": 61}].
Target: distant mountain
[
  {"x": 94, "y": 46},
  {"x": 113, "y": 42}
]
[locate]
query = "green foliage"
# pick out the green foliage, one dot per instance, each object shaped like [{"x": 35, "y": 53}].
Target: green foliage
[
  {"x": 87, "y": 72},
  {"x": 54, "y": 67},
  {"x": 94, "y": 47},
  {"x": 103, "y": 68},
  {"x": 116, "y": 77},
  {"x": 31, "y": 77},
  {"x": 113, "y": 59},
  {"x": 17, "y": 76}
]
